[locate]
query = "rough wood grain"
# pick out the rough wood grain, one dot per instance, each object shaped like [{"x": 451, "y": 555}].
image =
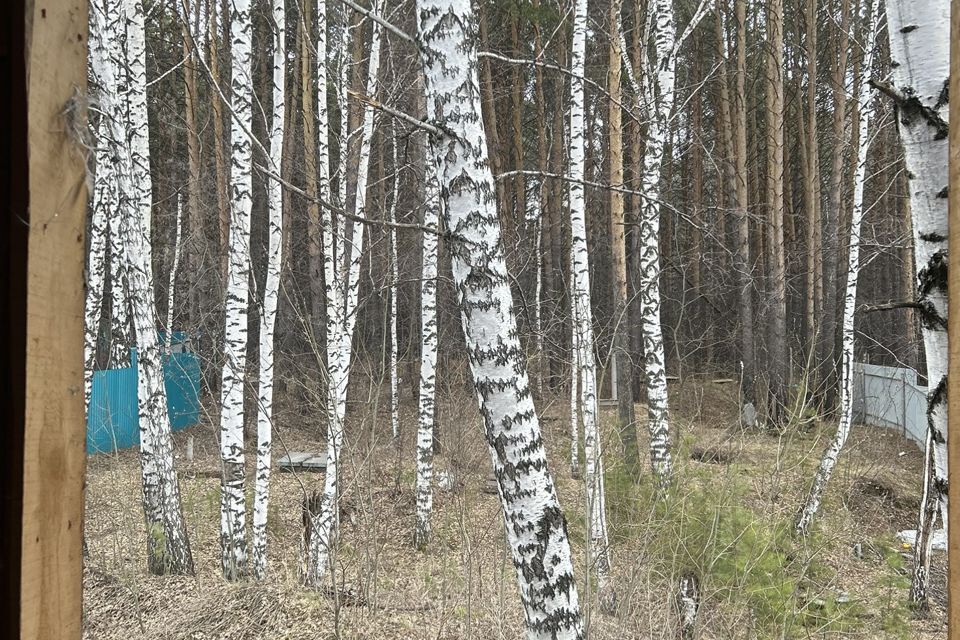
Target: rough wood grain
[{"x": 54, "y": 422}]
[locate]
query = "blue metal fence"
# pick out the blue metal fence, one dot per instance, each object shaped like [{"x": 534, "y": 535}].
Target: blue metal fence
[{"x": 112, "y": 418}]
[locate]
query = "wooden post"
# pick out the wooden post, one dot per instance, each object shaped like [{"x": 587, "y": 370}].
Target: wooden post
[
  {"x": 53, "y": 413},
  {"x": 953, "y": 325}
]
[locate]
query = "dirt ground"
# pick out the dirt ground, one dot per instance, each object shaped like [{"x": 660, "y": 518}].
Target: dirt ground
[{"x": 464, "y": 585}]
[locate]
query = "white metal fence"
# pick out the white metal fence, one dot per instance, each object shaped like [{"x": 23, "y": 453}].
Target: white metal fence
[{"x": 890, "y": 397}]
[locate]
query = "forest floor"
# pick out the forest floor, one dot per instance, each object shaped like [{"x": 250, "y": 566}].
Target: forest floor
[{"x": 728, "y": 519}]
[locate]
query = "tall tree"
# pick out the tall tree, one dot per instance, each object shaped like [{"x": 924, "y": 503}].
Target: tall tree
[
  {"x": 534, "y": 523},
  {"x": 104, "y": 197},
  {"x": 919, "y": 34},
  {"x": 626, "y": 415},
  {"x": 778, "y": 358},
  {"x": 829, "y": 459},
  {"x": 428, "y": 351},
  {"x": 271, "y": 294},
  {"x": 168, "y": 548},
  {"x": 343, "y": 289},
  {"x": 831, "y": 214},
  {"x": 657, "y": 96},
  {"x": 581, "y": 307},
  {"x": 233, "y": 535}
]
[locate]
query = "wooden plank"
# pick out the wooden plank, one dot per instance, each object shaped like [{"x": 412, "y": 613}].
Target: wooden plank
[
  {"x": 953, "y": 326},
  {"x": 53, "y": 449}
]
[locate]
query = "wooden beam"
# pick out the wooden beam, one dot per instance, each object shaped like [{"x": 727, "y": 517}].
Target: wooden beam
[
  {"x": 54, "y": 425},
  {"x": 953, "y": 322}
]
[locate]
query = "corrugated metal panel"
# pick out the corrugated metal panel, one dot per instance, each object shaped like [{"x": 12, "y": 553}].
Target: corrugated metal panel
[
  {"x": 112, "y": 421},
  {"x": 890, "y": 397}
]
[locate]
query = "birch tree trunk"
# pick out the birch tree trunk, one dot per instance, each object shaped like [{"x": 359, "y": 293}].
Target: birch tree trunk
[
  {"x": 168, "y": 548},
  {"x": 428, "y": 352},
  {"x": 174, "y": 265},
  {"x": 271, "y": 294},
  {"x": 829, "y": 459},
  {"x": 233, "y": 542},
  {"x": 534, "y": 523},
  {"x": 105, "y": 197},
  {"x": 661, "y": 92},
  {"x": 919, "y": 33},
  {"x": 343, "y": 288},
  {"x": 120, "y": 329},
  {"x": 582, "y": 313},
  {"x": 394, "y": 280}
]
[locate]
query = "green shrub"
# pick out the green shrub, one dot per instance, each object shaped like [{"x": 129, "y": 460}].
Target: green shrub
[{"x": 744, "y": 556}]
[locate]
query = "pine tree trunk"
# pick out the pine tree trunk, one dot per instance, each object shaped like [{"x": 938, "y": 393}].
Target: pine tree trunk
[
  {"x": 196, "y": 241},
  {"x": 307, "y": 37},
  {"x": 743, "y": 261},
  {"x": 233, "y": 535},
  {"x": 219, "y": 134},
  {"x": 534, "y": 524},
  {"x": 831, "y": 216},
  {"x": 271, "y": 295},
  {"x": 778, "y": 358},
  {"x": 829, "y": 459},
  {"x": 626, "y": 415},
  {"x": 919, "y": 33},
  {"x": 811, "y": 187}
]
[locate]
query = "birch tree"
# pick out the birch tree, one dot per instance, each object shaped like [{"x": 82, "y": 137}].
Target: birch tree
[
  {"x": 342, "y": 272},
  {"x": 582, "y": 315},
  {"x": 428, "y": 354},
  {"x": 104, "y": 196},
  {"x": 174, "y": 264},
  {"x": 233, "y": 542},
  {"x": 534, "y": 523},
  {"x": 168, "y": 548},
  {"x": 271, "y": 294},
  {"x": 659, "y": 93},
  {"x": 919, "y": 32},
  {"x": 394, "y": 279},
  {"x": 829, "y": 459}
]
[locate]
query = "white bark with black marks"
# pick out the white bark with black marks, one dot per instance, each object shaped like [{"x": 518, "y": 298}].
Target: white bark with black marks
[
  {"x": 233, "y": 537},
  {"x": 271, "y": 294},
  {"x": 168, "y": 548},
  {"x": 535, "y": 526},
  {"x": 662, "y": 91},
  {"x": 581, "y": 308},
  {"x": 428, "y": 354},
  {"x": 829, "y": 459},
  {"x": 174, "y": 264},
  {"x": 919, "y": 33},
  {"x": 104, "y": 199},
  {"x": 343, "y": 289}
]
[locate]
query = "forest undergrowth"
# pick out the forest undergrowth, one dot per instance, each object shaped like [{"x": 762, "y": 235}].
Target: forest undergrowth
[{"x": 726, "y": 519}]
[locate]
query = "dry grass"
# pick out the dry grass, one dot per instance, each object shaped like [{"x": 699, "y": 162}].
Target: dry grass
[{"x": 464, "y": 586}]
